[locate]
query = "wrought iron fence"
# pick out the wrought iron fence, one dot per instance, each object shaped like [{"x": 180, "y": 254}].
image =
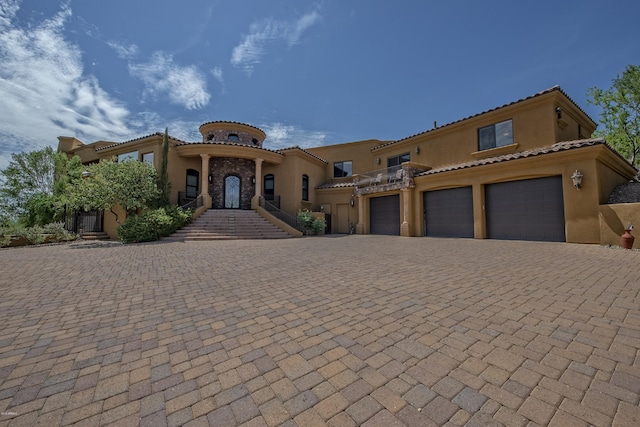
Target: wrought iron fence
[
  {"x": 84, "y": 222},
  {"x": 390, "y": 175},
  {"x": 280, "y": 214}
]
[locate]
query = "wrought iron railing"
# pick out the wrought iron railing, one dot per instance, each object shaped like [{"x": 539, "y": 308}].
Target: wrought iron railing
[
  {"x": 84, "y": 222},
  {"x": 278, "y": 213},
  {"x": 186, "y": 197},
  {"x": 192, "y": 204},
  {"x": 274, "y": 200}
]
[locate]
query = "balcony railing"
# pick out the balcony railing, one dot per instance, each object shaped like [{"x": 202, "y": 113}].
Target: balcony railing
[{"x": 391, "y": 178}]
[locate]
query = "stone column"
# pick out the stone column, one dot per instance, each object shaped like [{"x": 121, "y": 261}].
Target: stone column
[
  {"x": 204, "y": 182},
  {"x": 405, "y": 228}
]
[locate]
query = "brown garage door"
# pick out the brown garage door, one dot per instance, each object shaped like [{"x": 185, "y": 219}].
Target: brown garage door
[
  {"x": 531, "y": 209},
  {"x": 384, "y": 215},
  {"x": 449, "y": 213}
]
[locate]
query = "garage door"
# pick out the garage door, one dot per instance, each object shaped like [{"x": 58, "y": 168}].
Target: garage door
[
  {"x": 449, "y": 213},
  {"x": 530, "y": 209},
  {"x": 384, "y": 215}
]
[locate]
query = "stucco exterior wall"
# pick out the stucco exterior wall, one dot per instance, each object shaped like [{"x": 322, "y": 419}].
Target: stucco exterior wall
[{"x": 614, "y": 219}]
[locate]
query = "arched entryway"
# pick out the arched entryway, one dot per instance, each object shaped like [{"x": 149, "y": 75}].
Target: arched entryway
[{"x": 232, "y": 188}]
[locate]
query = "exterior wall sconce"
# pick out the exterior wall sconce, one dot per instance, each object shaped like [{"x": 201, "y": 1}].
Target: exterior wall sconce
[
  {"x": 253, "y": 179},
  {"x": 417, "y": 149},
  {"x": 352, "y": 202},
  {"x": 210, "y": 178},
  {"x": 378, "y": 160},
  {"x": 577, "y": 179},
  {"x": 559, "y": 112}
]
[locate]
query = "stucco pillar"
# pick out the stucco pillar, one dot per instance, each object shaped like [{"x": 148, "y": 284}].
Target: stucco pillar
[
  {"x": 360, "y": 224},
  {"x": 204, "y": 182},
  {"x": 258, "y": 185},
  {"x": 405, "y": 228},
  {"x": 258, "y": 176}
]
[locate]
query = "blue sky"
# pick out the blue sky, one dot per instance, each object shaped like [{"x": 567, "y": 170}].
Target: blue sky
[{"x": 306, "y": 72}]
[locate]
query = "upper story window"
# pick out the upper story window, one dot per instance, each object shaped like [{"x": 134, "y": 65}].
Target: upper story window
[
  {"x": 496, "y": 135},
  {"x": 398, "y": 160},
  {"x": 305, "y": 188},
  {"x": 147, "y": 158},
  {"x": 132, "y": 155},
  {"x": 342, "y": 169},
  {"x": 233, "y": 137}
]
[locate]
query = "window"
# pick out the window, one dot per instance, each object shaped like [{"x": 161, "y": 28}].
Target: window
[
  {"x": 233, "y": 137},
  {"x": 305, "y": 188},
  {"x": 341, "y": 169},
  {"x": 396, "y": 161},
  {"x": 496, "y": 135},
  {"x": 192, "y": 183},
  {"x": 147, "y": 158},
  {"x": 268, "y": 187},
  {"x": 133, "y": 155}
]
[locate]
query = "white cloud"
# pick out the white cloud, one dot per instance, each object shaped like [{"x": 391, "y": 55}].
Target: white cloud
[
  {"x": 217, "y": 73},
  {"x": 124, "y": 52},
  {"x": 280, "y": 135},
  {"x": 252, "y": 48},
  {"x": 185, "y": 86},
  {"x": 44, "y": 90}
]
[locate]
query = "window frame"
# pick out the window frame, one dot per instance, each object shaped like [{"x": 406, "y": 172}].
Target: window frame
[
  {"x": 192, "y": 173},
  {"x": 145, "y": 158},
  {"x": 305, "y": 187},
  {"x": 489, "y": 139},
  {"x": 339, "y": 169},
  {"x": 395, "y": 161},
  {"x": 233, "y": 137},
  {"x": 272, "y": 179},
  {"x": 125, "y": 157}
]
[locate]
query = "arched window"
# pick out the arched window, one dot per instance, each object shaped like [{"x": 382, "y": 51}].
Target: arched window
[
  {"x": 305, "y": 188},
  {"x": 233, "y": 137},
  {"x": 268, "y": 187},
  {"x": 193, "y": 181}
]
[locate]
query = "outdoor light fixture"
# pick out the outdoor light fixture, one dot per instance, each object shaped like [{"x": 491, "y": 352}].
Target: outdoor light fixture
[
  {"x": 352, "y": 202},
  {"x": 559, "y": 112},
  {"x": 210, "y": 178},
  {"x": 577, "y": 179},
  {"x": 417, "y": 149},
  {"x": 253, "y": 179},
  {"x": 378, "y": 160},
  {"x": 86, "y": 174}
]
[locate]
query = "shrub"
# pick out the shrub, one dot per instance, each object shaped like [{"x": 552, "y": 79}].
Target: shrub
[
  {"x": 35, "y": 235},
  {"x": 153, "y": 224},
  {"x": 308, "y": 224}
]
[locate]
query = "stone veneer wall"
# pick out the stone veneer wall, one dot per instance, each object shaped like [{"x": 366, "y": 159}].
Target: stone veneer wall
[
  {"x": 220, "y": 168},
  {"x": 244, "y": 138}
]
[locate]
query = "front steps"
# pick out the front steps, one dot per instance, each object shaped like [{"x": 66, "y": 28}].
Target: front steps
[{"x": 228, "y": 224}]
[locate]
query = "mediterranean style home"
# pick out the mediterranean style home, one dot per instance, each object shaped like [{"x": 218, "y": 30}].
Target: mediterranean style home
[{"x": 528, "y": 170}]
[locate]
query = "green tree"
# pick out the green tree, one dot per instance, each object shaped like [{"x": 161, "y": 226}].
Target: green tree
[
  {"x": 130, "y": 184},
  {"x": 32, "y": 187},
  {"x": 620, "y": 114},
  {"x": 163, "y": 178}
]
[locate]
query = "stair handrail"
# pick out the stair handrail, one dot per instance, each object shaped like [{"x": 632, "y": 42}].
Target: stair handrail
[{"x": 279, "y": 213}]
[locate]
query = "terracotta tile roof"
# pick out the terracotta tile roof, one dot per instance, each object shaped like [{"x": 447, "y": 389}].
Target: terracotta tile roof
[
  {"x": 326, "y": 185},
  {"x": 303, "y": 150},
  {"x": 235, "y": 123},
  {"x": 138, "y": 139},
  {"x": 559, "y": 146},
  {"x": 544, "y": 92},
  {"x": 235, "y": 144}
]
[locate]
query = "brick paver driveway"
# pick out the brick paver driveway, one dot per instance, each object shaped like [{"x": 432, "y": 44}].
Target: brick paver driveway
[{"x": 338, "y": 331}]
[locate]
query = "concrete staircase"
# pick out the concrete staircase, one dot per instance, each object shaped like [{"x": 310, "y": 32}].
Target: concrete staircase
[{"x": 228, "y": 224}]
